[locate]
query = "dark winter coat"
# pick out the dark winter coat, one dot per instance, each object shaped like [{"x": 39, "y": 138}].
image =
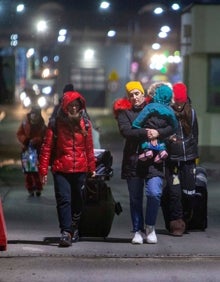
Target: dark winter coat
[
  {"x": 185, "y": 145},
  {"x": 72, "y": 148},
  {"x": 131, "y": 167}
]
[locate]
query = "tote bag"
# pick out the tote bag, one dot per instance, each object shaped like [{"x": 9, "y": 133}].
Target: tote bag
[{"x": 29, "y": 160}]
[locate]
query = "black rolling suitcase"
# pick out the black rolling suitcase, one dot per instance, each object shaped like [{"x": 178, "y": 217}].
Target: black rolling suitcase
[
  {"x": 99, "y": 204},
  {"x": 199, "y": 216}
]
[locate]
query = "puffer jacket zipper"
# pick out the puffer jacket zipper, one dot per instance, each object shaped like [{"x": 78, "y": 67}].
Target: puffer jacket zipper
[{"x": 183, "y": 142}]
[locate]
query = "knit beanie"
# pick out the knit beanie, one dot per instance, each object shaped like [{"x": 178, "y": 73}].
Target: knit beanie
[
  {"x": 163, "y": 95},
  {"x": 134, "y": 85},
  {"x": 180, "y": 92},
  {"x": 68, "y": 87}
]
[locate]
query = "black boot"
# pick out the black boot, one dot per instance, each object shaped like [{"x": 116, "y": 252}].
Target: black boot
[
  {"x": 65, "y": 239},
  {"x": 177, "y": 227}
]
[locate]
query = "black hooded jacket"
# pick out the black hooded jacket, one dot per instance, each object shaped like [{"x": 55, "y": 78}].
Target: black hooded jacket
[{"x": 185, "y": 144}]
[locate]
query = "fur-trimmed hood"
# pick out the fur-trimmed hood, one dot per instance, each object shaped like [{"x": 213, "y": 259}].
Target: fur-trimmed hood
[{"x": 123, "y": 104}]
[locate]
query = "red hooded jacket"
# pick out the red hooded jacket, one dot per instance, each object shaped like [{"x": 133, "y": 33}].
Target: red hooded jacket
[{"x": 72, "y": 149}]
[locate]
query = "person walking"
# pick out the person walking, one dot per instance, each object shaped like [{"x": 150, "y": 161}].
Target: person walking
[
  {"x": 72, "y": 153},
  {"x": 30, "y": 134},
  {"x": 125, "y": 111},
  {"x": 177, "y": 199}
]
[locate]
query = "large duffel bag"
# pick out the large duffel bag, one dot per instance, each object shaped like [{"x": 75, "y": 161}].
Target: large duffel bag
[{"x": 99, "y": 209}]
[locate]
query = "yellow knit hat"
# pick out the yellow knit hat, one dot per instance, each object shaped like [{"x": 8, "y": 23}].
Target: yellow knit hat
[{"x": 134, "y": 85}]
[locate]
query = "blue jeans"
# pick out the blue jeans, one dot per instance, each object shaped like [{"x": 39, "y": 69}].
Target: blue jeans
[
  {"x": 153, "y": 190},
  {"x": 68, "y": 193},
  {"x": 135, "y": 189}
]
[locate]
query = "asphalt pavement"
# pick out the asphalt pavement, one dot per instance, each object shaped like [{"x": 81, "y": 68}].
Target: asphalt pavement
[{"x": 32, "y": 226}]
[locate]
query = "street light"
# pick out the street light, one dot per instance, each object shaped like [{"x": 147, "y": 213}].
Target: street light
[
  {"x": 30, "y": 52},
  {"x": 175, "y": 6},
  {"x": 158, "y": 10},
  {"x": 42, "y": 26},
  {"x": 14, "y": 40},
  {"x": 20, "y": 8},
  {"x": 111, "y": 33},
  {"x": 155, "y": 46},
  {"x": 162, "y": 34},
  {"x": 165, "y": 28},
  {"x": 89, "y": 54},
  {"x": 62, "y": 35},
  {"x": 104, "y": 5}
]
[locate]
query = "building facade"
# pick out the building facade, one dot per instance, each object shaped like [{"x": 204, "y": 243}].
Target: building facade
[{"x": 200, "y": 49}]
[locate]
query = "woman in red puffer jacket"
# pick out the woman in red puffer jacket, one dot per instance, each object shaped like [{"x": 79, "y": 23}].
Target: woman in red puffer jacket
[{"x": 70, "y": 146}]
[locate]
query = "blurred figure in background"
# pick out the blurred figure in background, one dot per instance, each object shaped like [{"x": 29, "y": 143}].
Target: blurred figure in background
[{"x": 30, "y": 134}]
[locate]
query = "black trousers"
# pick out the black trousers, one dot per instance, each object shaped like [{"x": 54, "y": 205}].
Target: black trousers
[{"x": 177, "y": 197}]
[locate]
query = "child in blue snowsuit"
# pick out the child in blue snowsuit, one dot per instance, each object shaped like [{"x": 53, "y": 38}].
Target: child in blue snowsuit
[{"x": 155, "y": 115}]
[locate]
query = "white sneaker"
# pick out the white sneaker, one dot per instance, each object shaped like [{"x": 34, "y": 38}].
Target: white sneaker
[
  {"x": 151, "y": 237},
  {"x": 137, "y": 239}
]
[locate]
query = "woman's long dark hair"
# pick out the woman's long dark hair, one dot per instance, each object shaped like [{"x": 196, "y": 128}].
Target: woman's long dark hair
[{"x": 183, "y": 112}]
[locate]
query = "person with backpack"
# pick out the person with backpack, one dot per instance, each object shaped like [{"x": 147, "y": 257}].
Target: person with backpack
[
  {"x": 178, "y": 194},
  {"x": 71, "y": 148}
]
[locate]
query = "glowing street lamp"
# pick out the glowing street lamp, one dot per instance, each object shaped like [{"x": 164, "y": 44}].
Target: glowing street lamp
[
  {"x": 42, "y": 26},
  {"x": 62, "y": 35},
  {"x": 111, "y": 33},
  {"x": 158, "y": 10},
  {"x": 156, "y": 46},
  {"x": 175, "y": 6},
  {"x": 104, "y": 5},
  {"x": 89, "y": 54},
  {"x": 162, "y": 34},
  {"x": 165, "y": 28},
  {"x": 20, "y": 8}
]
